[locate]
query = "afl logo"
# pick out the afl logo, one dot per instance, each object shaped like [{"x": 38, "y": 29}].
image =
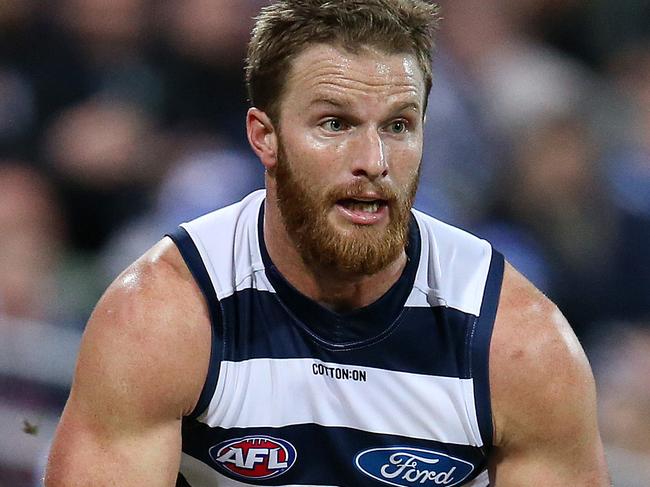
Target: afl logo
[{"x": 254, "y": 457}]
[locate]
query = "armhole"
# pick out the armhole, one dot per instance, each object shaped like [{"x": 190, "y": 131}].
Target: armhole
[
  {"x": 194, "y": 262},
  {"x": 480, "y": 348}
]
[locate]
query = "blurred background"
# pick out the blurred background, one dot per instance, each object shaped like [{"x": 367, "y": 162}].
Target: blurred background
[{"x": 120, "y": 119}]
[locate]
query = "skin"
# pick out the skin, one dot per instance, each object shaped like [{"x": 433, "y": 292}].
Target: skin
[
  {"x": 145, "y": 352},
  {"x": 142, "y": 362},
  {"x": 368, "y": 96},
  {"x": 543, "y": 396}
]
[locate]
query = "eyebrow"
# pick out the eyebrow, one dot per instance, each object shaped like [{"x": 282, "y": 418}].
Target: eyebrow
[
  {"x": 342, "y": 103},
  {"x": 323, "y": 100},
  {"x": 409, "y": 105}
]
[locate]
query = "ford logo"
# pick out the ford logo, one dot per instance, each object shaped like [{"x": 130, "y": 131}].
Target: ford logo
[{"x": 404, "y": 466}]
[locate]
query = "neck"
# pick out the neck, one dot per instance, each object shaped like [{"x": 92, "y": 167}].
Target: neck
[{"x": 335, "y": 290}]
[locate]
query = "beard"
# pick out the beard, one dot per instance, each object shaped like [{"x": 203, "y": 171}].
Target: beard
[{"x": 359, "y": 249}]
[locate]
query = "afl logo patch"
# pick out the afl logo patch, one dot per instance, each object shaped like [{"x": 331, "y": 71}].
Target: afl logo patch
[
  {"x": 254, "y": 457},
  {"x": 404, "y": 466}
]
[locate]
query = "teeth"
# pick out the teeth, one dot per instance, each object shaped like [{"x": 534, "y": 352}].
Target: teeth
[{"x": 368, "y": 207}]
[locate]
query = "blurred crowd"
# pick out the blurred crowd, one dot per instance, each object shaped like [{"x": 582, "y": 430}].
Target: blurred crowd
[{"x": 120, "y": 119}]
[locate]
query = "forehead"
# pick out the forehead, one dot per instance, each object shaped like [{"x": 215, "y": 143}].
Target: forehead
[{"x": 323, "y": 70}]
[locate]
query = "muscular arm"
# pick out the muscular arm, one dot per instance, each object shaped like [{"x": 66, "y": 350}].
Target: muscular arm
[
  {"x": 141, "y": 367},
  {"x": 543, "y": 396}
]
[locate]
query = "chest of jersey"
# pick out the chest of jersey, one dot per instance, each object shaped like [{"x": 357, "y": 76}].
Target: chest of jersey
[{"x": 291, "y": 408}]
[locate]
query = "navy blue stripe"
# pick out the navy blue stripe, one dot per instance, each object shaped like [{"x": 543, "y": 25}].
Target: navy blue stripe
[
  {"x": 182, "y": 481},
  {"x": 325, "y": 455},
  {"x": 358, "y": 325},
  {"x": 194, "y": 262},
  {"x": 423, "y": 340},
  {"x": 480, "y": 348}
]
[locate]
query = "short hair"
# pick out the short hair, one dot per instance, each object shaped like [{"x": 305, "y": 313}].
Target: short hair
[{"x": 286, "y": 28}]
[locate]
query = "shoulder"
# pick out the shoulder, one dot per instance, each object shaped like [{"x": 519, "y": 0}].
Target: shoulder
[
  {"x": 159, "y": 274},
  {"x": 150, "y": 334},
  {"x": 443, "y": 231},
  {"x": 451, "y": 245},
  {"x": 454, "y": 264},
  {"x": 540, "y": 378},
  {"x": 141, "y": 366}
]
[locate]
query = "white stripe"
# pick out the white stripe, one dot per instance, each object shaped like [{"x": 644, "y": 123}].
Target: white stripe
[
  {"x": 198, "y": 473},
  {"x": 228, "y": 242},
  {"x": 453, "y": 265},
  {"x": 282, "y": 392},
  {"x": 424, "y": 299},
  {"x": 483, "y": 480},
  {"x": 452, "y": 269}
]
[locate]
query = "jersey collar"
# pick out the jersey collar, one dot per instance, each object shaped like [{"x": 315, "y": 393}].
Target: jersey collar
[{"x": 352, "y": 327}]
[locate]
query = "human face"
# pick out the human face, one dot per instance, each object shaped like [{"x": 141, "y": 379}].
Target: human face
[{"x": 349, "y": 150}]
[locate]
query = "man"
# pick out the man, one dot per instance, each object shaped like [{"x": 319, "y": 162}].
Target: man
[{"x": 322, "y": 332}]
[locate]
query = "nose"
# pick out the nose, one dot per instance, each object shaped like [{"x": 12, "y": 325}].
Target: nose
[{"x": 370, "y": 156}]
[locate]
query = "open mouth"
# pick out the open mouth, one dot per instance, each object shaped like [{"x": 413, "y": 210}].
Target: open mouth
[{"x": 363, "y": 206}]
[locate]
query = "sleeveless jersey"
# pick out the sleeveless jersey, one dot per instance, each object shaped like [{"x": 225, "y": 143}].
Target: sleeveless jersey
[{"x": 395, "y": 393}]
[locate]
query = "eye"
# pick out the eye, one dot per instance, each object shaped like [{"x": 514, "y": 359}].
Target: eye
[
  {"x": 333, "y": 125},
  {"x": 398, "y": 127}
]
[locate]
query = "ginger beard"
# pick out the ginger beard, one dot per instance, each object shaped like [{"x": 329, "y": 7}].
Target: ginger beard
[{"x": 360, "y": 249}]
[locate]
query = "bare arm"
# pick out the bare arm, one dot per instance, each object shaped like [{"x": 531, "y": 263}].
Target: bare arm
[
  {"x": 543, "y": 396},
  {"x": 141, "y": 367}
]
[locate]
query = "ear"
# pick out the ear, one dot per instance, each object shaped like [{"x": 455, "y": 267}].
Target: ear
[{"x": 262, "y": 137}]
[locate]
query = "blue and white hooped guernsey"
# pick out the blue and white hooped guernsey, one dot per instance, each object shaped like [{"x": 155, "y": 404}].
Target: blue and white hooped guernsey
[{"x": 395, "y": 393}]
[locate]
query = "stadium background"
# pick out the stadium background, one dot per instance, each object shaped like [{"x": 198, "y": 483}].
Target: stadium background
[{"x": 121, "y": 118}]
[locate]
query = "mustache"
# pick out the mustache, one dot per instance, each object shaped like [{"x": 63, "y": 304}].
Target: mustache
[{"x": 358, "y": 189}]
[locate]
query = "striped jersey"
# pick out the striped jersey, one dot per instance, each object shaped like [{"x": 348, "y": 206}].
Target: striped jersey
[{"x": 395, "y": 393}]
